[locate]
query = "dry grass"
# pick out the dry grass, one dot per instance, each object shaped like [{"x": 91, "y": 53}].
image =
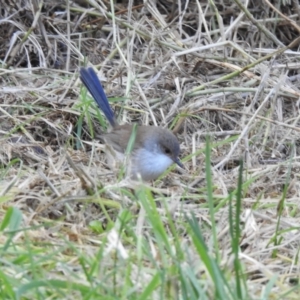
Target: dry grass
[{"x": 202, "y": 68}]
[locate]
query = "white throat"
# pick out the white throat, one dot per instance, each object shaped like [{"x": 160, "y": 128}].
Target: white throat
[{"x": 149, "y": 164}]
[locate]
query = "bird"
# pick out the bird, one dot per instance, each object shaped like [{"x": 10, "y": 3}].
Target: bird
[{"x": 155, "y": 148}]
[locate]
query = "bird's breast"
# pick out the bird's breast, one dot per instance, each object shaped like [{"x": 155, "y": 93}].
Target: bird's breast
[{"x": 148, "y": 164}]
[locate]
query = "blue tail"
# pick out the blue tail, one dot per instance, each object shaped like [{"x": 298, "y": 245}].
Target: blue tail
[{"x": 92, "y": 83}]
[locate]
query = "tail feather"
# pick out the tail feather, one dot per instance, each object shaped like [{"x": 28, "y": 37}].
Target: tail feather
[{"x": 92, "y": 83}]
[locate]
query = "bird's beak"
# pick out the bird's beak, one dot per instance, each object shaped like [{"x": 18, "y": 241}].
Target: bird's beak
[{"x": 178, "y": 162}]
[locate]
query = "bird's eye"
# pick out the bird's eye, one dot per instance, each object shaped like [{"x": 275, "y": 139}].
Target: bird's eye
[{"x": 167, "y": 151}]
